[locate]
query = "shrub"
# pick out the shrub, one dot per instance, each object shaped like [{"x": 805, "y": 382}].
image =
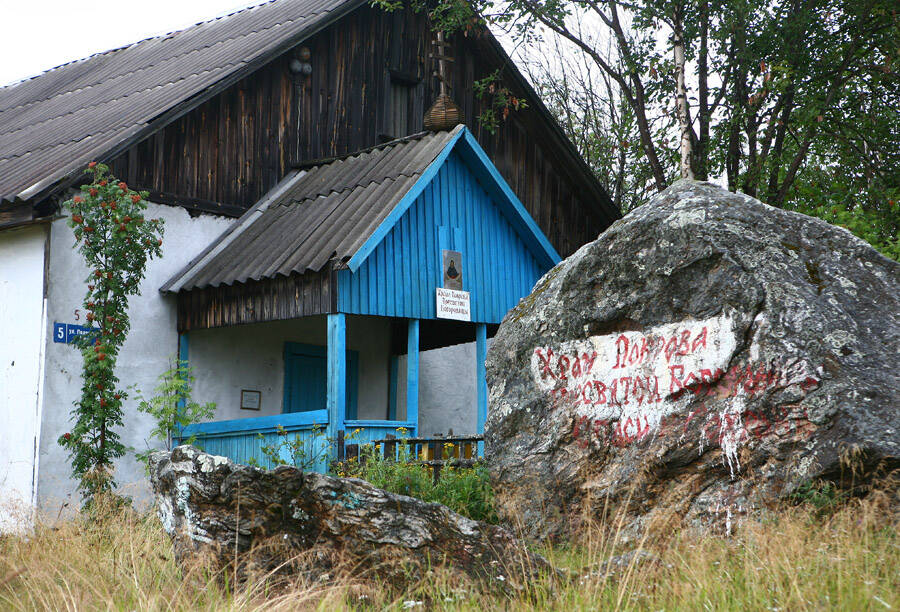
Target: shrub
[
  {"x": 116, "y": 242},
  {"x": 301, "y": 452},
  {"x": 823, "y": 496},
  {"x": 465, "y": 490},
  {"x": 172, "y": 406}
]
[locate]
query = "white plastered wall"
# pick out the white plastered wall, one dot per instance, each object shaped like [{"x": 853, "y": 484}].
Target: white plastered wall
[
  {"x": 145, "y": 354},
  {"x": 21, "y": 312},
  {"x": 227, "y": 360},
  {"x": 447, "y": 392}
]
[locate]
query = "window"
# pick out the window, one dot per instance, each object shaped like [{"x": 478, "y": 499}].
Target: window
[
  {"x": 399, "y": 119},
  {"x": 403, "y": 115}
]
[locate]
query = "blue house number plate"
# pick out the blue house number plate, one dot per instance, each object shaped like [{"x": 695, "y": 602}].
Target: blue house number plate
[{"x": 65, "y": 333}]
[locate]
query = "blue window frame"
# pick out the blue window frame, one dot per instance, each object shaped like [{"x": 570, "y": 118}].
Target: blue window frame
[{"x": 306, "y": 379}]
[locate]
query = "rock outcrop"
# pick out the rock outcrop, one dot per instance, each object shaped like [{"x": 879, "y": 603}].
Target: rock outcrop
[
  {"x": 287, "y": 521},
  {"x": 704, "y": 357}
]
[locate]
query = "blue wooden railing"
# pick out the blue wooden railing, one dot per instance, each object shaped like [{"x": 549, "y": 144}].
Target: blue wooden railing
[
  {"x": 242, "y": 440},
  {"x": 436, "y": 453},
  {"x": 366, "y": 432}
]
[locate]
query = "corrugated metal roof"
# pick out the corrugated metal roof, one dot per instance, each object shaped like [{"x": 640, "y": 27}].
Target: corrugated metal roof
[
  {"x": 324, "y": 212},
  {"x": 55, "y": 123}
]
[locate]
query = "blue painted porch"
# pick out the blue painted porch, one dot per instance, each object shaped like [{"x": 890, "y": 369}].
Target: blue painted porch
[
  {"x": 365, "y": 237},
  {"x": 314, "y": 414}
]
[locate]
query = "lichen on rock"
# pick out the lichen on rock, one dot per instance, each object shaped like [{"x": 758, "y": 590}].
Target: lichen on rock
[{"x": 289, "y": 522}]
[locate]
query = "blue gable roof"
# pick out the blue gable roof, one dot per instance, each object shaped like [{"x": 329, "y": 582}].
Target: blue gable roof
[
  {"x": 464, "y": 144},
  {"x": 459, "y": 203}
]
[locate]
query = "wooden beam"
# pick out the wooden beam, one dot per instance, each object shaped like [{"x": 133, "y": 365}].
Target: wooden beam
[
  {"x": 15, "y": 214},
  {"x": 337, "y": 374},
  {"x": 195, "y": 204},
  {"x": 412, "y": 374},
  {"x": 183, "y": 361},
  {"x": 481, "y": 374},
  {"x": 291, "y": 421}
]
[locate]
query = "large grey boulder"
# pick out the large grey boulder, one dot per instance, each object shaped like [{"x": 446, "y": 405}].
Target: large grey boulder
[
  {"x": 703, "y": 358},
  {"x": 289, "y": 522}
]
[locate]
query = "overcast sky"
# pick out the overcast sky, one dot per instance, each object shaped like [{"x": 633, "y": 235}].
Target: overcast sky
[{"x": 41, "y": 34}]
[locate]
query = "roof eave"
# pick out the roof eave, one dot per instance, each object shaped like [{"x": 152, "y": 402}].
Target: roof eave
[
  {"x": 516, "y": 213},
  {"x": 179, "y": 281},
  {"x": 15, "y": 213},
  {"x": 405, "y": 202},
  {"x": 603, "y": 202}
]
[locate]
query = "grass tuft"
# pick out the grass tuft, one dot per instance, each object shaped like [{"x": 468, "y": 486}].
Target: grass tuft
[{"x": 795, "y": 559}]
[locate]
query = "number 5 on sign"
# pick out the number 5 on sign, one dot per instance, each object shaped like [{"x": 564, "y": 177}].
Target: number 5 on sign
[{"x": 59, "y": 332}]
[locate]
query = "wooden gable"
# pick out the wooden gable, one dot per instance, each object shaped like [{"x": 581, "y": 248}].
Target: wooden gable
[
  {"x": 224, "y": 155},
  {"x": 464, "y": 206},
  {"x": 365, "y": 234}
]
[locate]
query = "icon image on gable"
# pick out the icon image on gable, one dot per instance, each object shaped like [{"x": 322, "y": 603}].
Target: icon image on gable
[
  {"x": 452, "y": 272},
  {"x": 453, "y": 275}
]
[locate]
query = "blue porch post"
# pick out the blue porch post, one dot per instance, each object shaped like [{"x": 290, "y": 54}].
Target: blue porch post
[
  {"x": 481, "y": 379},
  {"x": 412, "y": 374},
  {"x": 481, "y": 374},
  {"x": 337, "y": 374},
  {"x": 183, "y": 355}
]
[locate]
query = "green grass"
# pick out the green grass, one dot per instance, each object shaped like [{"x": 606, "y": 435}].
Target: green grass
[{"x": 795, "y": 560}]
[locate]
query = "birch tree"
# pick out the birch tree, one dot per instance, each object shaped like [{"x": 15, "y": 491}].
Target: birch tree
[{"x": 765, "y": 97}]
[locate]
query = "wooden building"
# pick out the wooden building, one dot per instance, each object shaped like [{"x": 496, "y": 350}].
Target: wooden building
[
  {"x": 303, "y": 108},
  {"x": 214, "y": 116},
  {"x": 415, "y": 225}
]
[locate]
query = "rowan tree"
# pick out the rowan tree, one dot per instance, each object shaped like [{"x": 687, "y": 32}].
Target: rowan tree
[{"x": 116, "y": 241}]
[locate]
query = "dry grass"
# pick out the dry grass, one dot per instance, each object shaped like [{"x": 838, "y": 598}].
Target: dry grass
[{"x": 792, "y": 561}]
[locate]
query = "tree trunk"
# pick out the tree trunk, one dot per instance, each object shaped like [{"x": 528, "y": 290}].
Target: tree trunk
[
  {"x": 702, "y": 152},
  {"x": 751, "y": 131},
  {"x": 681, "y": 102},
  {"x": 738, "y": 104},
  {"x": 778, "y": 147}
]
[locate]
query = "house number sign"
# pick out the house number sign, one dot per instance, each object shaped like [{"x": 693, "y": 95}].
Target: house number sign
[{"x": 65, "y": 333}]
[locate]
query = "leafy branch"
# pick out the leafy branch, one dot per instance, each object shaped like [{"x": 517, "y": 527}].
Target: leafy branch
[{"x": 172, "y": 407}]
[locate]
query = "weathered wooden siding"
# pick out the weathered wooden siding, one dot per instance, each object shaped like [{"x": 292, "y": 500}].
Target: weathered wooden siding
[
  {"x": 230, "y": 150},
  {"x": 286, "y": 297},
  {"x": 237, "y": 146}
]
